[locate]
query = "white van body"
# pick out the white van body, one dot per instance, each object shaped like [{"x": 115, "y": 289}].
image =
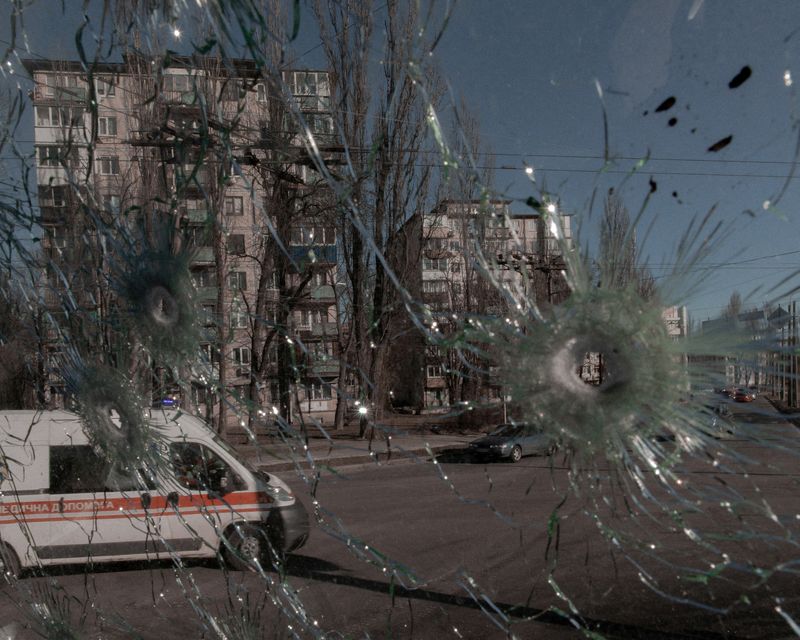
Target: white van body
[{"x": 62, "y": 503}]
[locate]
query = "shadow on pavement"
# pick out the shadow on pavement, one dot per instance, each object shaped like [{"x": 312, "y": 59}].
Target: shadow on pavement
[
  {"x": 458, "y": 456},
  {"x": 303, "y": 569}
]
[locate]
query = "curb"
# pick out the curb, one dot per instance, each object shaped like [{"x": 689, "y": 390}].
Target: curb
[{"x": 326, "y": 462}]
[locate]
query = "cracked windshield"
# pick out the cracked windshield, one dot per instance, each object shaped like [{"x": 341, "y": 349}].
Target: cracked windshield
[{"x": 349, "y": 319}]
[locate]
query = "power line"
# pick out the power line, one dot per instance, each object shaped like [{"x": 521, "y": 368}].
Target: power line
[{"x": 572, "y": 156}]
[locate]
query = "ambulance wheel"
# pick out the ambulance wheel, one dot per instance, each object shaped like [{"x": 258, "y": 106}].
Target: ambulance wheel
[
  {"x": 9, "y": 562},
  {"x": 244, "y": 544}
]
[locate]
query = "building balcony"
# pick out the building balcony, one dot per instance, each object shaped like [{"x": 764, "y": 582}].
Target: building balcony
[
  {"x": 316, "y": 330},
  {"x": 325, "y": 368},
  {"x": 197, "y": 215},
  {"x": 69, "y": 94},
  {"x": 202, "y": 255},
  {"x": 182, "y": 98},
  {"x": 206, "y": 294},
  {"x": 323, "y": 293},
  {"x": 53, "y": 215},
  {"x": 324, "y": 329},
  {"x": 322, "y": 254},
  {"x": 193, "y": 181}
]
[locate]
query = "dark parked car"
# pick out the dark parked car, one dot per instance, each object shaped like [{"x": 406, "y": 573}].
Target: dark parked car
[
  {"x": 743, "y": 395},
  {"x": 512, "y": 441}
]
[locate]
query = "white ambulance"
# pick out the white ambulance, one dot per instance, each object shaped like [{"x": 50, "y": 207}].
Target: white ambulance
[{"x": 62, "y": 503}]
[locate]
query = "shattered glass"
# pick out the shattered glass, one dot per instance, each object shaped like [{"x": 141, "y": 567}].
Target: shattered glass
[{"x": 272, "y": 270}]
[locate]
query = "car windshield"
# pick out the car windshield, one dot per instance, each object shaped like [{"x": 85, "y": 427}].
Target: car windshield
[{"x": 507, "y": 430}]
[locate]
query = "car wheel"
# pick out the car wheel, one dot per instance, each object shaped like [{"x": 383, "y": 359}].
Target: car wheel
[
  {"x": 244, "y": 545},
  {"x": 9, "y": 562},
  {"x": 516, "y": 454}
]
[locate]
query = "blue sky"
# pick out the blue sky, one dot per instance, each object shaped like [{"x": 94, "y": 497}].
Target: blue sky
[{"x": 529, "y": 71}]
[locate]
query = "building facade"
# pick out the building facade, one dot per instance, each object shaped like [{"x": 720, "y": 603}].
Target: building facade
[
  {"x": 470, "y": 252},
  {"x": 214, "y": 157}
]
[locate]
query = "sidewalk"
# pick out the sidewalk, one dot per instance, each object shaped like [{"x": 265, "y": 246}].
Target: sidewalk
[{"x": 383, "y": 443}]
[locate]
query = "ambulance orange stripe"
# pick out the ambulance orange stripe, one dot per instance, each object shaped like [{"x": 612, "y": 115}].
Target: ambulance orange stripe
[
  {"x": 62, "y": 518},
  {"x": 114, "y": 504}
]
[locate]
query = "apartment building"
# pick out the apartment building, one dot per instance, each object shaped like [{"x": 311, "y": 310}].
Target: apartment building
[
  {"x": 471, "y": 251},
  {"x": 214, "y": 152}
]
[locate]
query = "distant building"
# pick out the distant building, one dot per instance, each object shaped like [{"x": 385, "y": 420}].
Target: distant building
[
  {"x": 676, "y": 320},
  {"x": 468, "y": 251},
  {"x": 754, "y": 350}
]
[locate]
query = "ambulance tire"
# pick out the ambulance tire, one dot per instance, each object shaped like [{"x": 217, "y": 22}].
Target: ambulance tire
[
  {"x": 244, "y": 544},
  {"x": 9, "y": 562}
]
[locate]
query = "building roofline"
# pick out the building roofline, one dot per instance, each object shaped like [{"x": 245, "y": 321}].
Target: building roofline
[{"x": 246, "y": 67}]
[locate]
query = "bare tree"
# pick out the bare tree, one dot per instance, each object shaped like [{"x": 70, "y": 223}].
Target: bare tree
[
  {"x": 734, "y": 307},
  {"x": 346, "y": 29},
  {"x": 618, "y": 260},
  {"x": 386, "y": 182}
]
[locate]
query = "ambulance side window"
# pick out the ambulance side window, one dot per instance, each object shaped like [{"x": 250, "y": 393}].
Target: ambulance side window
[
  {"x": 198, "y": 467},
  {"x": 76, "y": 469}
]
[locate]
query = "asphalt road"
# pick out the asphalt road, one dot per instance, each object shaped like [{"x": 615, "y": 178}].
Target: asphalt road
[{"x": 461, "y": 549}]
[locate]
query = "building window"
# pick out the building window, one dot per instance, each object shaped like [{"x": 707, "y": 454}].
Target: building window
[
  {"x": 239, "y": 319},
  {"x": 176, "y": 82},
  {"x": 310, "y": 317},
  {"x": 320, "y": 278},
  {"x": 54, "y": 155},
  {"x": 241, "y": 358},
  {"x": 72, "y": 86},
  {"x": 237, "y": 281},
  {"x": 308, "y": 83},
  {"x": 434, "y": 370},
  {"x": 234, "y": 205},
  {"x": 434, "y": 264},
  {"x": 261, "y": 92},
  {"x": 236, "y": 244},
  {"x": 57, "y": 237},
  {"x": 49, "y": 85},
  {"x": 198, "y": 236},
  {"x": 312, "y": 103},
  {"x": 53, "y": 196},
  {"x": 207, "y": 315},
  {"x": 321, "y": 351},
  {"x": 107, "y": 126},
  {"x": 108, "y": 166},
  {"x": 319, "y": 391},
  {"x": 320, "y": 124},
  {"x": 59, "y": 116},
  {"x": 313, "y": 235},
  {"x": 111, "y": 202},
  {"x": 105, "y": 87},
  {"x": 208, "y": 354},
  {"x": 204, "y": 278},
  {"x": 302, "y": 235}
]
